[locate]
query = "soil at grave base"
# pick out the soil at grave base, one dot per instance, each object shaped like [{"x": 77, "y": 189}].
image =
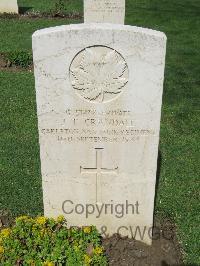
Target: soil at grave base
[
  {"x": 40, "y": 15},
  {"x": 164, "y": 251},
  {"x": 6, "y": 65}
]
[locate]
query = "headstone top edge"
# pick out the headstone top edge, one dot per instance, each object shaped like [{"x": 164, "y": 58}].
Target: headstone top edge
[{"x": 98, "y": 26}]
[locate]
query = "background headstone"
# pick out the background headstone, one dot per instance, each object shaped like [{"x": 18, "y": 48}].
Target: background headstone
[
  {"x": 104, "y": 11},
  {"x": 8, "y": 6}
]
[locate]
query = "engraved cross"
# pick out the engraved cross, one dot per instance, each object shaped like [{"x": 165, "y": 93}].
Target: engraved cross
[{"x": 98, "y": 170}]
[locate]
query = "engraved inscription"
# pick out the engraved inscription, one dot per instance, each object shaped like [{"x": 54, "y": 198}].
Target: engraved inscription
[
  {"x": 98, "y": 170},
  {"x": 107, "y": 6},
  {"x": 99, "y": 126},
  {"x": 98, "y": 73}
]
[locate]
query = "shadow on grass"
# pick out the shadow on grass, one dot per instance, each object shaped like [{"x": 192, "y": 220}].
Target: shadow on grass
[
  {"x": 159, "y": 163},
  {"x": 24, "y": 9}
]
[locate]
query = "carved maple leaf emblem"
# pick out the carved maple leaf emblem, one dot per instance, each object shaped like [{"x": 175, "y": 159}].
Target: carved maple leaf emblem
[{"x": 99, "y": 72}]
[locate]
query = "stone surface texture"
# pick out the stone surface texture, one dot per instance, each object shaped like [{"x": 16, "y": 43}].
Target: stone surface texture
[
  {"x": 99, "y": 93},
  {"x": 104, "y": 11},
  {"x": 8, "y": 6}
]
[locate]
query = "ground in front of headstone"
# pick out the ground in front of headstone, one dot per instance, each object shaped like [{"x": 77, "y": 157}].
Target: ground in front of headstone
[{"x": 164, "y": 251}]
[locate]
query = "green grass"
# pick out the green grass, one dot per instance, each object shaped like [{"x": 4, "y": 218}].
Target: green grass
[
  {"x": 179, "y": 184},
  {"x": 48, "y": 5},
  {"x": 20, "y": 177},
  {"x": 36, "y": 5},
  {"x": 18, "y": 32}
]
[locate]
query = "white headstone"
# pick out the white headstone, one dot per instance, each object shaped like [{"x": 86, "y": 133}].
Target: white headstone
[
  {"x": 104, "y": 11},
  {"x": 99, "y": 92},
  {"x": 8, "y": 6}
]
